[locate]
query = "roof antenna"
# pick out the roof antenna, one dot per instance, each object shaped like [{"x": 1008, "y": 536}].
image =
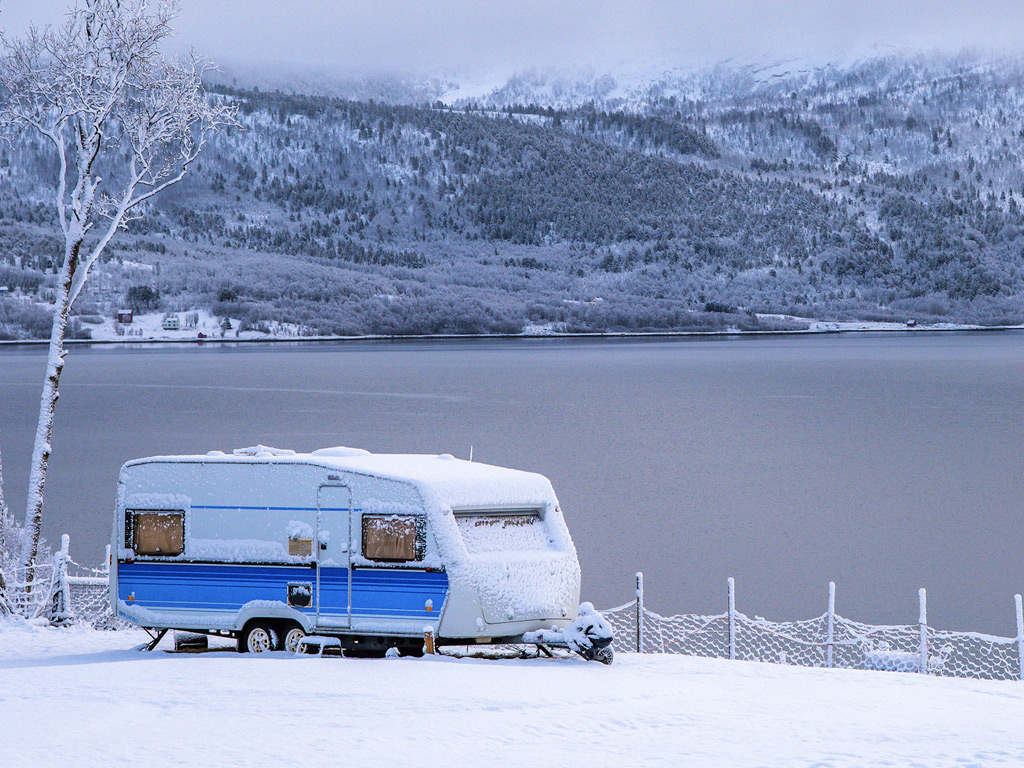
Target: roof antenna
[{"x": 470, "y": 451}]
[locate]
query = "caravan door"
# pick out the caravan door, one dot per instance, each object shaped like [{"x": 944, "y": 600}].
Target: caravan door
[{"x": 334, "y": 556}]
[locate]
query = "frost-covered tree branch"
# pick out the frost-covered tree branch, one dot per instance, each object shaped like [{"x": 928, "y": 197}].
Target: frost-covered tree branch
[{"x": 125, "y": 123}]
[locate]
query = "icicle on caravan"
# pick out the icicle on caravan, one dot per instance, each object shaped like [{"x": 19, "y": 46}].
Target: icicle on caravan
[{"x": 370, "y": 550}]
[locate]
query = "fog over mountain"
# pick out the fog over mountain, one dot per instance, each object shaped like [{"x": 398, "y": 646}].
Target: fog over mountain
[{"x": 470, "y": 39}]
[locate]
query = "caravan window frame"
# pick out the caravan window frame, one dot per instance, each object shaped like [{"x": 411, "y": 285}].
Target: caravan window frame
[
  {"x": 130, "y": 533},
  {"x": 419, "y": 537}
]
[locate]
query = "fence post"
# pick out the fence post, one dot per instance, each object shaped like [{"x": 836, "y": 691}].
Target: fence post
[
  {"x": 922, "y": 620},
  {"x": 732, "y": 618},
  {"x": 1020, "y": 635},
  {"x": 639, "y": 612},
  {"x": 60, "y": 598},
  {"x": 831, "y": 623},
  {"x": 106, "y": 562}
]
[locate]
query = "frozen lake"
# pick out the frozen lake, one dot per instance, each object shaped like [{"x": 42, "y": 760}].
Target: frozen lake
[{"x": 884, "y": 463}]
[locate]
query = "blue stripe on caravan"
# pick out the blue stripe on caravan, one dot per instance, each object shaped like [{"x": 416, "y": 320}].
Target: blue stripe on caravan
[
  {"x": 380, "y": 592},
  {"x": 193, "y": 586},
  {"x": 398, "y": 593}
]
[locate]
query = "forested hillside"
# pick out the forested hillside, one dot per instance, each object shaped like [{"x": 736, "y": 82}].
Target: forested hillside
[{"x": 891, "y": 189}]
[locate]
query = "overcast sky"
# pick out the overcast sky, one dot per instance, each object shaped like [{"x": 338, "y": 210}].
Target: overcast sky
[{"x": 350, "y": 36}]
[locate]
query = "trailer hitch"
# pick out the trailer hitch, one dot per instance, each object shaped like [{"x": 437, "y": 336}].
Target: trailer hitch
[
  {"x": 600, "y": 650},
  {"x": 588, "y": 636}
]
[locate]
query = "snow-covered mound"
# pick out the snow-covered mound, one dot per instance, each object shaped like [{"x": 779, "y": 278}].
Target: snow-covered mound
[{"x": 122, "y": 707}]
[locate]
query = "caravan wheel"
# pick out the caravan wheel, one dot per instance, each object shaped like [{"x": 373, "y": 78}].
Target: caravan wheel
[
  {"x": 291, "y": 637},
  {"x": 257, "y": 637}
]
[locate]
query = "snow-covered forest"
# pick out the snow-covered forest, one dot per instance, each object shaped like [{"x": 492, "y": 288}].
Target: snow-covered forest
[{"x": 890, "y": 189}]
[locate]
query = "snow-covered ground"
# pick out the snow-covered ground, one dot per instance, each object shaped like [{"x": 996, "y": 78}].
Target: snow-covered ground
[
  {"x": 80, "y": 697},
  {"x": 824, "y": 326},
  {"x": 149, "y": 327},
  {"x": 873, "y": 325}
]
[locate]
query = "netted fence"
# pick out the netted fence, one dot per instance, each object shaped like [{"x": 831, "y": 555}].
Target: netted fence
[
  {"x": 90, "y": 602},
  {"x": 89, "y": 595},
  {"x": 829, "y": 640},
  {"x": 34, "y": 602},
  {"x": 80, "y": 593}
]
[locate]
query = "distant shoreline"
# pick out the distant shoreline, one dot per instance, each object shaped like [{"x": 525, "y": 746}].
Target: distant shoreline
[{"x": 823, "y": 329}]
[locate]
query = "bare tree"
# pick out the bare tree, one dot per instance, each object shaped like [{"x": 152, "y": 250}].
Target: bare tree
[{"x": 125, "y": 123}]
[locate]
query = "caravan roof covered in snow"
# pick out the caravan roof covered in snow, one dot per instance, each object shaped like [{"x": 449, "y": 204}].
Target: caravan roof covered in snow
[{"x": 448, "y": 480}]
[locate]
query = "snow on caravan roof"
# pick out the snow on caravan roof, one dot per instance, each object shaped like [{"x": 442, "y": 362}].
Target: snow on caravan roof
[{"x": 452, "y": 482}]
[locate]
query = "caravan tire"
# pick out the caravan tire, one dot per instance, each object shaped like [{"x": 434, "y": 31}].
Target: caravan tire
[
  {"x": 291, "y": 635},
  {"x": 257, "y": 637}
]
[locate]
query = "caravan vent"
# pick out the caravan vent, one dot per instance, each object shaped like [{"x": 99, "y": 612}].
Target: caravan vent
[
  {"x": 300, "y": 547},
  {"x": 300, "y": 594},
  {"x": 339, "y": 452},
  {"x": 263, "y": 450}
]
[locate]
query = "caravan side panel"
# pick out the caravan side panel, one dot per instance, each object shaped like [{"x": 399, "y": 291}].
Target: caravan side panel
[{"x": 238, "y": 559}]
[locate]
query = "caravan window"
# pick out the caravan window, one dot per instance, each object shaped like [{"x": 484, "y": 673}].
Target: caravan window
[
  {"x": 513, "y": 530},
  {"x": 157, "y": 533},
  {"x": 393, "y": 538}
]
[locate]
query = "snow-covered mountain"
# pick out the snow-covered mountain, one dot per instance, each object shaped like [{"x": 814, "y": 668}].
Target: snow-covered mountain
[{"x": 882, "y": 189}]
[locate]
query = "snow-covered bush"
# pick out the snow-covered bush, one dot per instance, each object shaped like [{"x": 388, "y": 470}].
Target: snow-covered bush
[{"x": 12, "y": 534}]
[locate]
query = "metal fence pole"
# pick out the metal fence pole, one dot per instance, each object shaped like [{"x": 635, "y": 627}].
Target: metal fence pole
[
  {"x": 732, "y": 618},
  {"x": 639, "y": 612},
  {"x": 831, "y": 623},
  {"x": 922, "y": 620},
  {"x": 1020, "y": 634}
]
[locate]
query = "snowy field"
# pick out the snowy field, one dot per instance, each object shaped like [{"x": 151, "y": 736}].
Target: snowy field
[
  {"x": 149, "y": 327},
  {"x": 91, "y": 698}
]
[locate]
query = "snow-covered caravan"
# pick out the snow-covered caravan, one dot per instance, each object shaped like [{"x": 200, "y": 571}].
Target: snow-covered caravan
[{"x": 268, "y": 546}]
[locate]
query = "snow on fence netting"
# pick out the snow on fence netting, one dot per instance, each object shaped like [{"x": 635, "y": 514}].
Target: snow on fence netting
[
  {"x": 90, "y": 602},
  {"x": 829, "y": 640},
  {"x": 805, "y": 643},
  {"x": 88, "y": 591}
]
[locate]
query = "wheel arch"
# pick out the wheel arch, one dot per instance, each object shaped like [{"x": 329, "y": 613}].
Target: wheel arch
[{"x": 274, "y": 611}]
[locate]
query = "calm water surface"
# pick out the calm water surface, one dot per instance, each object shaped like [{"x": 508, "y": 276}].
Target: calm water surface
[{"x": 884, "y": 463}]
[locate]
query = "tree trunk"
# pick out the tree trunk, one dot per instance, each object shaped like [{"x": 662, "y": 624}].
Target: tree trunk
[
  {"x": 3, "y": 501},
  {"x": 5, "y": 601},
  {"x": 3, "y": 513},
  {"x": 44, "y": 426}
]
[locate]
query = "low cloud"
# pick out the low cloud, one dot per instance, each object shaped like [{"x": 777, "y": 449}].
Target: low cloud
[{"x": 360, "y": 36}]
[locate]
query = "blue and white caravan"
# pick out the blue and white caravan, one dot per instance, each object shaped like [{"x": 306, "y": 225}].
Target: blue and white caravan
[{"x": 269, "y": 546}]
